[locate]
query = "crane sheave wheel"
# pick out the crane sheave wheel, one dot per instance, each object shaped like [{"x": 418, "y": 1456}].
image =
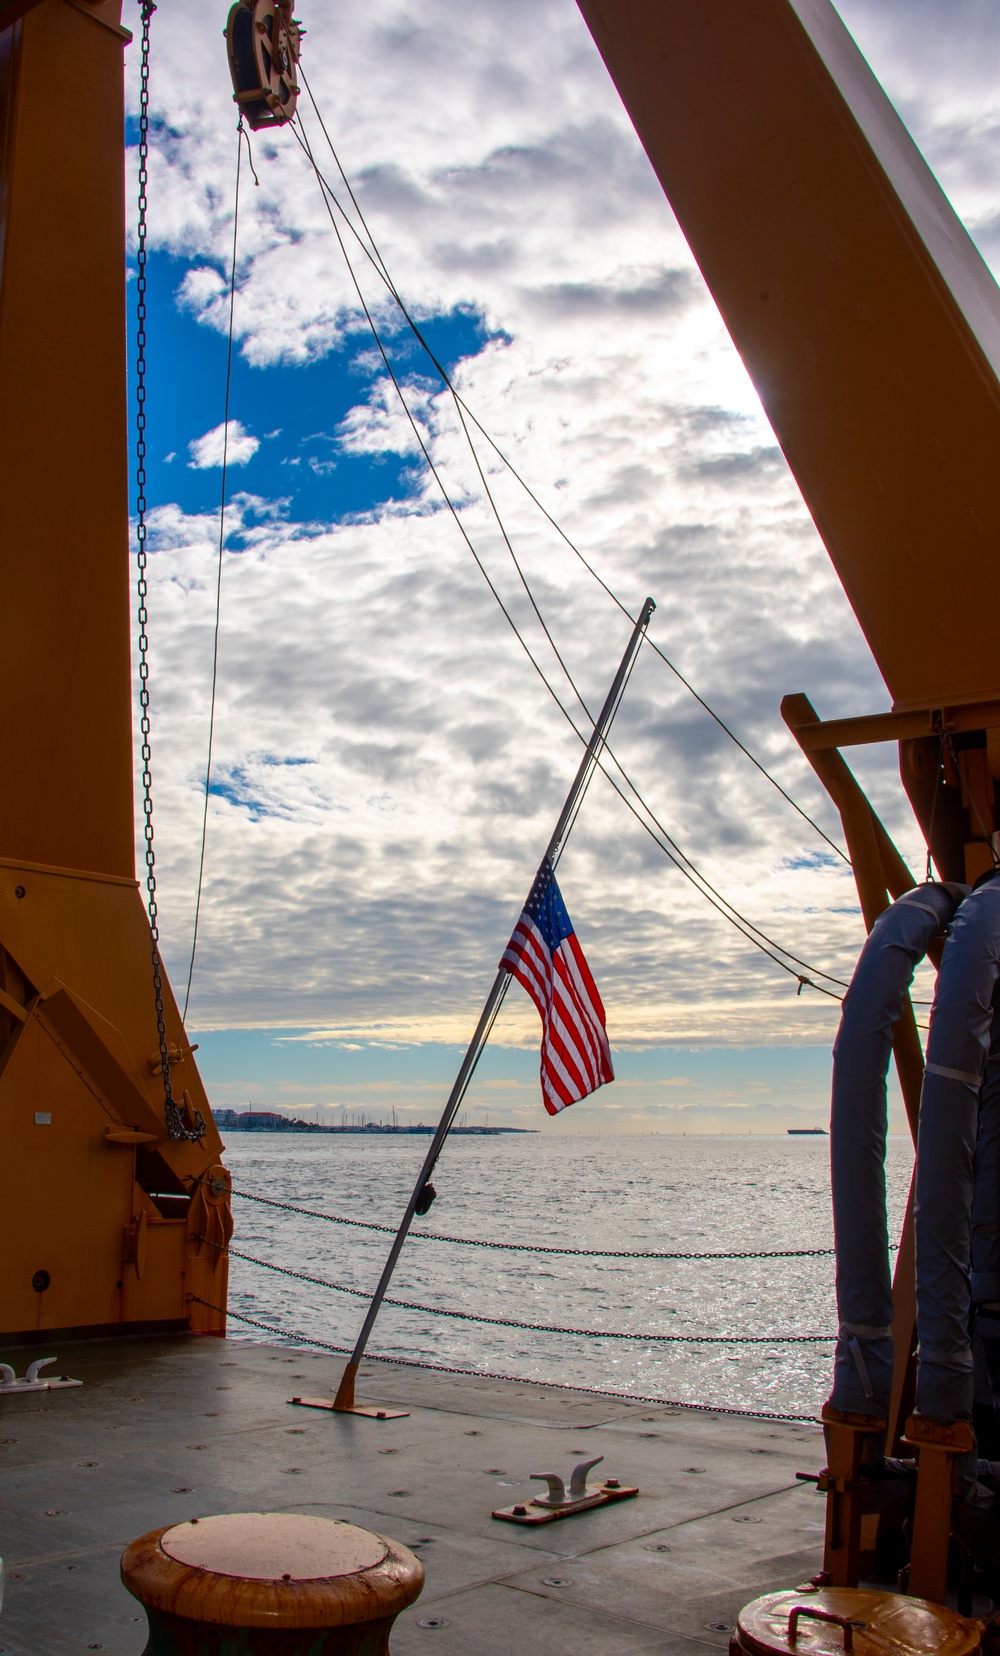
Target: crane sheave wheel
[{"x": 263, "y": 42}]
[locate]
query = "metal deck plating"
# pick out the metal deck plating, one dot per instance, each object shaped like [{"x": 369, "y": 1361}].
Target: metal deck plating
[{"x": 168, "y": 1429}]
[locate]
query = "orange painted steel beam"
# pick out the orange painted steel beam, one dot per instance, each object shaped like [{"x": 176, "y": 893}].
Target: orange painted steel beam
[
  {"x": 103, "y": 1211},
  {"x": 866, "y": 318},
  {"x": 900, "y": 727},
  {"x": 845, "y": 1435},
  {"x": 64, "y": 622},
  {"x": 938, "y": 1448}
]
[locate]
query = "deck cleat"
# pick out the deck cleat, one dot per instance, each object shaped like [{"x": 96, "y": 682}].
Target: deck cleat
[
  {"x": 561, "y": 1502},
  {"x": 31, "y": 1381}
]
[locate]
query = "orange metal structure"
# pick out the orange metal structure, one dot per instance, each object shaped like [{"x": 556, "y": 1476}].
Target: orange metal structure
[
  {"x": 102, "y": 1210},
  {"x": 870, "y": 327}
]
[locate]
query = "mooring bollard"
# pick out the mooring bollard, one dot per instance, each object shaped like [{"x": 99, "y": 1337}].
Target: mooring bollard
[
  {"x": 269, "y": 1584},
  {"x": 861, "y": 1621}
]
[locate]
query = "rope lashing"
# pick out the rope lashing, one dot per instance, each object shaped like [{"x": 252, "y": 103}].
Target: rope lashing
[
  {"x": 533, "y": 1328},
  {"x": 514, "y": 1379},
  {"x": 532, "y": 1247}
]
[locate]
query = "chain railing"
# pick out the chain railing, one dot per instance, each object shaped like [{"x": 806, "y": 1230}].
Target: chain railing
[
  {"x": 532, "y": 1247},
  {"x": 532, "y": 1328},
  {"x": 296, "y": 1338},
  {"x": 730, "y": 1341}
]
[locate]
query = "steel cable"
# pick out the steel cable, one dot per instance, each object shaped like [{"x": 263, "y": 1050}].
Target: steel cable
[
  {"x": 373, "y": 254},
  {"x": 218, "y": 573},
  {"x": 745, "y": 926}
]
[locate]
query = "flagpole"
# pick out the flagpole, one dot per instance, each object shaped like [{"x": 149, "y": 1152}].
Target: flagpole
[{"x": 344, "y": 1401}]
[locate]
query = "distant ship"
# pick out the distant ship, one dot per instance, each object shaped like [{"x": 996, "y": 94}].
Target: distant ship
[{"x": 803, "y": 1132}]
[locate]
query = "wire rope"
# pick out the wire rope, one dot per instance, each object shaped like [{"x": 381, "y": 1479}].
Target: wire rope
[
  {"x": 742, "y": 924},
  {"x": 431, "y": 466},
  {"x": 218, "y": 573},
  {"x": 374, "y": 255}
]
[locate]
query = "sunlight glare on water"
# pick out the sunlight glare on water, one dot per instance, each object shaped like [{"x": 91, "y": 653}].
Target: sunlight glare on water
[{"x": 696, "y": 1194}]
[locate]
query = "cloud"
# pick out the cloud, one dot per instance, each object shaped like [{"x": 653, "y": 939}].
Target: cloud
[
  {"x": 369, "y": 892},
  {"x": 214, "y": 446}
]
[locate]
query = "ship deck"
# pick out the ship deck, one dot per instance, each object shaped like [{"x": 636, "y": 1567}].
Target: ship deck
[{"x": 167, "y": 1429}]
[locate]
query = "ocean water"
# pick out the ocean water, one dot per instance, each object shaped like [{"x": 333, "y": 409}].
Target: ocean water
[{"x": 696, "y": 1194}]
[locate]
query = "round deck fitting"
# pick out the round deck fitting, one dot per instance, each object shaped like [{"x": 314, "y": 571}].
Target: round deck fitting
[
  {"x": 269, "y": 1584},
  {"x": 830, "y": 1620}
]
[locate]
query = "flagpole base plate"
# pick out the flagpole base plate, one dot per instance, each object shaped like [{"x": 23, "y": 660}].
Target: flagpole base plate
[
  {"x": 370, "y": 1410},
  {"x": 528, "y": 1512}
]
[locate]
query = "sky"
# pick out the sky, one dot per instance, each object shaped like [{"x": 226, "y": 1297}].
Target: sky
[{"x": 388, "y": 763}]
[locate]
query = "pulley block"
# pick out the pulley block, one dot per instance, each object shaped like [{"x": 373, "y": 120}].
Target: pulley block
[{"x": 263, "y": 40}]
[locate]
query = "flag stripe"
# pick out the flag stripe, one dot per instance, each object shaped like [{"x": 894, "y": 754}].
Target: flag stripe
[{"x": 545, "y": 957}]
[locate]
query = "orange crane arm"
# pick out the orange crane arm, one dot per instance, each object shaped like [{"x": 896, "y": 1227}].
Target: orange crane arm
[
  {"x": 113, "y": 1222},
  {"x": 866, "y": 318}
]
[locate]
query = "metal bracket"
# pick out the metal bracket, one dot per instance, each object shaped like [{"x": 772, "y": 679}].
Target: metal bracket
[
  {"x": 30, "y": 1382},
  {"x": 368, "y": 1409},
  {"x": 562, "y": 1503}
]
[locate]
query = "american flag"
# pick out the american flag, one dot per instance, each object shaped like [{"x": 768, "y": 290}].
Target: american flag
[{"x": 546, "y": 958}]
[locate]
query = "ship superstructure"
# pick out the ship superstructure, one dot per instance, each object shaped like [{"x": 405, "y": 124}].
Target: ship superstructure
[
  {"x": 110, "y": 1175},
  {"x": 872, "y": 330}
]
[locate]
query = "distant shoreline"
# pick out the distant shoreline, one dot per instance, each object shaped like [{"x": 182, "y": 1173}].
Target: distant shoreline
[{"x": 229, "y": 1122}]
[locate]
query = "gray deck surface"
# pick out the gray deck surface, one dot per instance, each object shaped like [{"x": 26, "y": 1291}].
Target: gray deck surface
[{"x": 168, "y": 1429}]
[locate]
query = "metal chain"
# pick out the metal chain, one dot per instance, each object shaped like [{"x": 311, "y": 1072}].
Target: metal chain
[
  {"x": 530, "y": 1247},
  {"x": 175, "y": 1124},
  {"x": 513, "y": 1379},
  {"x": 534, "y": 1328}
]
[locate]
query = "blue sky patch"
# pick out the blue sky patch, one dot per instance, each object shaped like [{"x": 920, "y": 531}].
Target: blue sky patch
[
  {"x": 237, "y": 785},
  {"x": 293, "y": 411}
]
